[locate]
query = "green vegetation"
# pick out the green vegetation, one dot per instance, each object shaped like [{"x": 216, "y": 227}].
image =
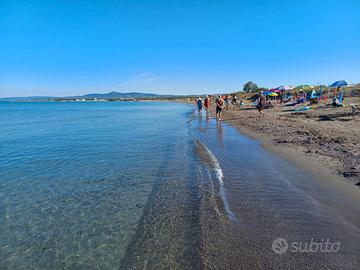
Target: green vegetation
[{"x": 250, "y": 87}]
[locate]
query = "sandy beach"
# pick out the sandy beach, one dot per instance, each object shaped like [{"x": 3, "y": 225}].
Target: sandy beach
[{"x": 320, "y": 139}]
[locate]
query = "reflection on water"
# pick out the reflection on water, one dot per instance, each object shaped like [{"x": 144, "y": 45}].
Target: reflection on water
[
  {"x": 207, "y": 116},
  {"x": 220, "y": 134}
]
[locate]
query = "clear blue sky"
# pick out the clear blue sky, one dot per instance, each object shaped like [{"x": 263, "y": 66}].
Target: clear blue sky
[{"x": 72, "y": 47}]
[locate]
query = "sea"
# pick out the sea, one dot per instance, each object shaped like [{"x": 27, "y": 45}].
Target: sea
[{"x": 157, "y": 185}]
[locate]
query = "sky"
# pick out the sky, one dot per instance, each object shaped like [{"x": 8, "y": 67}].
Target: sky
[{"x": 62, "y": 47}]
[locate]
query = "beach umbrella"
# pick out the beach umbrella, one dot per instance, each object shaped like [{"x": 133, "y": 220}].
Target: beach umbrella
[
  {"x": 284, "y": 88},
  {"x": 273, "y": 95},
  {"x": 304, "y": 87},
  {"x": 339, "y": 84}
]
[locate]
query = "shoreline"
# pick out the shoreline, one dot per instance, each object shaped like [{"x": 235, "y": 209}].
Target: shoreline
[
  {"x": 269, "y": 197},
  {"x": 338, "y": 158}
]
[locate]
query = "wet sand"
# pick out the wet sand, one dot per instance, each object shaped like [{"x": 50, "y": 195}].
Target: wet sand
[
  {"x": 270, "y": 198},
  {"x": 322, "y": 140}
]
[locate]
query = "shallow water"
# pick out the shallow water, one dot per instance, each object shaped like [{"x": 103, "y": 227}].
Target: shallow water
[
  {"x": 156, "y": 186},
  {"x": 76, "y": 177}
]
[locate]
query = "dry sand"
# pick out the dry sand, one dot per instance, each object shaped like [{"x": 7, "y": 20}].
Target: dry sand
[{"x": 322, "y": 137}]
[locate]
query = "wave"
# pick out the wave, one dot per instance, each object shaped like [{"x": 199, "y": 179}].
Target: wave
[{"x": 208, "y": 158}]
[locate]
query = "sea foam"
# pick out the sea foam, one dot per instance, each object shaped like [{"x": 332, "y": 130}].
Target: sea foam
[{"x": 209, "y": 158}]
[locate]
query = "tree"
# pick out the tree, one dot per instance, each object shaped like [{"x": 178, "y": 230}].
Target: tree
[{"x": 250, "y": 87}]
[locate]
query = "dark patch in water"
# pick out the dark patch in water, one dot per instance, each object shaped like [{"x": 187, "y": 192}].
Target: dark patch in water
[
  {"x": 168, "y": 235},
  {"x": 203, "y": 154}
]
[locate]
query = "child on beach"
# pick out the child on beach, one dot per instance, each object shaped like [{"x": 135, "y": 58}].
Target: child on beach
[{"x": 219, "y": 106}]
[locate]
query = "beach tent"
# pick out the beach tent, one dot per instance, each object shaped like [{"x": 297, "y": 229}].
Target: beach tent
[{"x": 339, "y": 84}]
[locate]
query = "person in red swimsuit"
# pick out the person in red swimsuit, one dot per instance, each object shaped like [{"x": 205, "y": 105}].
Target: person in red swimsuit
[{"x": 207, "y": 103}]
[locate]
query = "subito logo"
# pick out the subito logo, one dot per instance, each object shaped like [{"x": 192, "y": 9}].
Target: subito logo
[{"x": 280, "y": 246}]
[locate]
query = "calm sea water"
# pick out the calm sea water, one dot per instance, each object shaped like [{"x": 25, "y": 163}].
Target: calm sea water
[
  {"x": 154, "y": 186},
  {"x": 75, "y": 178}
]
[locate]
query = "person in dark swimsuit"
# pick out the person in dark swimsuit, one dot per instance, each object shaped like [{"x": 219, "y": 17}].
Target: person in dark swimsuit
[
  {"x": 199, "y": 104},
  {"x": 219, "y": 106},
  {"x": 234, "y": 100}
]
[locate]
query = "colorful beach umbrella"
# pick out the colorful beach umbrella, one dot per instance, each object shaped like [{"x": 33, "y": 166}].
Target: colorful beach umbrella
[
  {"x": 339, "y": 84},
  {"x": 273, "y": 95}
]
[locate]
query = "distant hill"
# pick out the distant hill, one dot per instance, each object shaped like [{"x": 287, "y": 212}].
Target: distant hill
[
  {"x": 111, "y": 95},
  {"x": 32, "y": 98},
  {"x": 120, "y": 95}
]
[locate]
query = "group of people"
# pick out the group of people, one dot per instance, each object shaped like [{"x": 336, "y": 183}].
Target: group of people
[
  {"x": 219, "y": 102},
  {"x": 262, "y": 101},
  {"x": 313, "y": 97},
  {"x": 222, "y": 103}
]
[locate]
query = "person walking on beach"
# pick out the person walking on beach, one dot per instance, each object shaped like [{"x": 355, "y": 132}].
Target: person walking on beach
[
  {"x": 207, "y": 103},
  {"x": 234, "y": 100},
  {"x": 199, "y": 104},
  {"x": 219, "y": 106},
  {"x": 261, "y": 103},
  {"x": 227, "y": 102}
]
